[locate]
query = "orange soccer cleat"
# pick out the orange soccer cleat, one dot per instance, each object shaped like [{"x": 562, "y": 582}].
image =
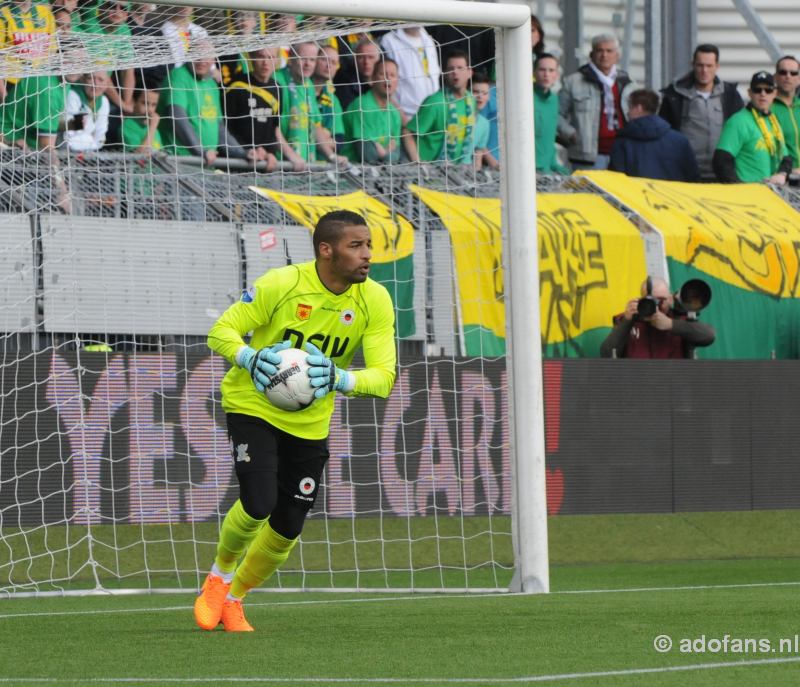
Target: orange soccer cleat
[
  {"x": 208, "y": 606},
  {"x": 233, "y": 619}
]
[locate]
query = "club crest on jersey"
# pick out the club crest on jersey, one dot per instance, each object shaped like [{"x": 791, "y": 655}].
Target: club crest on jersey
[
  {"x": 303, "y": 311},
  {"x": 347, "y": 316},
  {"x": 307, "y": 485},
  {"x": 249, "y": 296}
]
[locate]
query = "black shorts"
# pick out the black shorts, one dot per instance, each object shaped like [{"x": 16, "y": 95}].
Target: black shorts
[{"x": 293, "y": 463}]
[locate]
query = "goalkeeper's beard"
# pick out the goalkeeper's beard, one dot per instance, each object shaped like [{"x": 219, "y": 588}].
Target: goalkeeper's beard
[{"x": 353, "y": 276}]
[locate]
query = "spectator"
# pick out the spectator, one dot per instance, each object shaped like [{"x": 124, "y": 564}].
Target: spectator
[
  {"x": 751, "y": 147},
  {"x": 253, "y": 112},
  {"x": 418, "y": 63},
  {"x": 537, "y": 38},
  {"x": 330, "y": 109},
  {"x": 31, "y": 114},
  {"x": 698, "y": 104},
  {"x": 63, "y": 19},
  {"x": 648, "y": 147},
  {"x": 356, "y": 81},
  {"x": 545, "y": 114},
  {"x": 480, "y": 87},
  {"x": 372, "y": 123},
  {"x": 181, "y": 32},
  {"x": 67, "y": 5},
  {"x": 191, "y": 114},
  {"x": 787, "y": 105},
  {"x": 87, "y": 113},
  {"x": 664, "y": 334},
  {"x": 26, "y": 37},
  {"x": 140, "y": 130},
  {"x": 592, "y": 105},
  {"x": 301, "y": 123},
  {"x": 284, "y": 24},
  {"x": 139, "y": 16},
  {"x": 234, "y": 66},
  {"x": 443, "y": 128},
  {"x": 30, "y": 118},
  {"x": 110, "y": 19}
]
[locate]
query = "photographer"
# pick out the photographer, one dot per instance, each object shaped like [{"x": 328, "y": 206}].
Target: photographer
[{"x": 652, "y": 327}]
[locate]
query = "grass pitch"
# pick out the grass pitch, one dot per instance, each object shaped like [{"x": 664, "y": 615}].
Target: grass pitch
[{"x": 618, "y": 583}]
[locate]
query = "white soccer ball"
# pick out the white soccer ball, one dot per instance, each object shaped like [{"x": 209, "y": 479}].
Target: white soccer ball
[{"x": 291, "y": 389}]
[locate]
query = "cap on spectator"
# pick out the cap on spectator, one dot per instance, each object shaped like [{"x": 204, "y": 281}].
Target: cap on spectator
[{"x": 762, "y": 79}]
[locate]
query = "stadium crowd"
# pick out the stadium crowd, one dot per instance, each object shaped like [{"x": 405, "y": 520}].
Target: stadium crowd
[{"x": 412, "y": 94}]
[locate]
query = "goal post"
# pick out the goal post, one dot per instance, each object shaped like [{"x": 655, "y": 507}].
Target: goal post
[{"x": 115, "y": 470}]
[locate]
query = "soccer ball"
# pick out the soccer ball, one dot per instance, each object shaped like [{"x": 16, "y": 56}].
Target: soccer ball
[{"x": 291, "y": 389}]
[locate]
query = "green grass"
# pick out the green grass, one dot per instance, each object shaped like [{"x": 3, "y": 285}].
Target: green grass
[
  {"x": 446, "y": 552},
  {"x": 617, "y": 583}
]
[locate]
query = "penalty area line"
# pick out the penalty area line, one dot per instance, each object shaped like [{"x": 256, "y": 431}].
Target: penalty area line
[{"x": 530, "y": 679}]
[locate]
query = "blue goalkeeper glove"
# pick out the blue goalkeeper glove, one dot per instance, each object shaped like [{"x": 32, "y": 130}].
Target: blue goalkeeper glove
[
  {"x": 261, "y": 364},
  {"x": 324, "y": 375}
]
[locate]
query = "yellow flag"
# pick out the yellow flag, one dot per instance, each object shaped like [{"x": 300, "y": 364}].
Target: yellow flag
[
  {"x": 591, "y": 261},
  {"x": 744, "y": 235},
  {"x": 392, "y": 234}
]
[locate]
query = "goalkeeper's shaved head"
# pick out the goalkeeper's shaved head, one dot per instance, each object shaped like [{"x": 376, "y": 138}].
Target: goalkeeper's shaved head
[{"x": 329, "y": 227}]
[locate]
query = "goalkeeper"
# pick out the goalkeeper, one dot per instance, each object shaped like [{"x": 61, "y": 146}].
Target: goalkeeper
[{"x": 329, "y": 307}]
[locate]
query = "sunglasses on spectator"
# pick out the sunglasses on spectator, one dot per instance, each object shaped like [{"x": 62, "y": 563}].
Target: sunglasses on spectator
[
  {"x": 788, "y": 72},
  {"x": 765, "y": 89}
]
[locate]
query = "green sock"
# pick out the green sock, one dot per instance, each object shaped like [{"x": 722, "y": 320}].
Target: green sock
[
  {"x": 237, "y": 531},
  {"x": 266, "y": 554}
]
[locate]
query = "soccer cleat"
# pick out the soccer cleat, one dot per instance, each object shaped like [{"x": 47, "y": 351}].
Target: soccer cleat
[
  {"x": 208, "y": 606},
  {"x": 233, "y": 619}
]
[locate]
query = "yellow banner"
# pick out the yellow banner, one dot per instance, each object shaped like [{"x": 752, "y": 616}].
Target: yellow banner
[
  {"x": 743, "y": 234},
  {"x": 392, "y": 234},
  {"x": 591, "y": 260}
]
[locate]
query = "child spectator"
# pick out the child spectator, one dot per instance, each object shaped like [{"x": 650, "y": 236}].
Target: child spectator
[
  {"x": 140, "y": 130},
  {"x": 87, "y": 113},
  {"x": 480, "y": 90}
]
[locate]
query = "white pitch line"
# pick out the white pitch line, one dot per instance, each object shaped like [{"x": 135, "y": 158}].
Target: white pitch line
[
  {"x": 414, "y": 597},
  {"x": 408, "y": 680}
]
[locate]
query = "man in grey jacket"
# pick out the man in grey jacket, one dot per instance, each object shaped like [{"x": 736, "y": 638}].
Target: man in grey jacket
[
  {"x": 593, "y": 105},
  {"x": 699, "y": 103}
]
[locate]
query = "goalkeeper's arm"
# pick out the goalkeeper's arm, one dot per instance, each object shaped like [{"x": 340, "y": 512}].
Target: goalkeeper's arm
[{"x": 380, "y": 357}]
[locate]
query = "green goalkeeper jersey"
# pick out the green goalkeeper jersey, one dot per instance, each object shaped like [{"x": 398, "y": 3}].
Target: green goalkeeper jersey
[{"x": 292, "y": 303}]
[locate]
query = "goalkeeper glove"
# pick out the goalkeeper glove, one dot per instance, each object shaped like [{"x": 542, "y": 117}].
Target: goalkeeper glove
[
  {"x": 261, "y": 364},
  {"x": 324, "y": 375}
]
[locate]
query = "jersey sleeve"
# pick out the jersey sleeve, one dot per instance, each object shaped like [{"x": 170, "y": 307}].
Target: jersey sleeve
[
  {"x": 378, "y": 344},
  {"x": 252, "y": 310}
]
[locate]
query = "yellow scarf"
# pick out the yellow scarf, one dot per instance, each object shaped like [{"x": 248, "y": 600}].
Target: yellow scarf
[{"x": 773, "y": 139}]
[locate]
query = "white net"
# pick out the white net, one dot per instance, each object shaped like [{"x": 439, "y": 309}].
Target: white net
[{"x": 124, "y": 240}]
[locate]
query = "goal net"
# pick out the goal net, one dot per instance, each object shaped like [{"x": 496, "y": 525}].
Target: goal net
[{"x": 137, "y": 203}]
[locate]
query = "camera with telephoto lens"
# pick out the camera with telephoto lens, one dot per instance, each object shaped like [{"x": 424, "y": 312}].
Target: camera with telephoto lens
[{"x": 693, "y": 296}]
